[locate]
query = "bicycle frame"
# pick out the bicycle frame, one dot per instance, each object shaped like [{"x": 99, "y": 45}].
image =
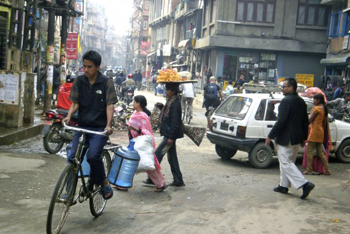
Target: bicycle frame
[{"x": 78, "y": 158}]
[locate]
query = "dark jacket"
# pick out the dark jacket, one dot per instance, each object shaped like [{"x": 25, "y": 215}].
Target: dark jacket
[
  {"x": 292, "y": 123},
  {"x": 171, "y": 126},
  {"x": 138, "y": 76}
]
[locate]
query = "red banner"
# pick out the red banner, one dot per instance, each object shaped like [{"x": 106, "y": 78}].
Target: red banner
[
  {"x": 144, "y": 47},
  {"x": 72, "y": 46}
]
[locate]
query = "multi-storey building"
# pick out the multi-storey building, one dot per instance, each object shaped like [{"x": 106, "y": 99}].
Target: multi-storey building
[
  {"x": 139, "y": 35},
  {"x": 338, "y": 50},
  {"x": 96, "y": 28},
  {"x": 264, "y": 38},
  {"x": 162, "y": 32}
]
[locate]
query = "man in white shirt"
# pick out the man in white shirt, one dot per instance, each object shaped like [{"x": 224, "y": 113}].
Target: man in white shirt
[{"x": 187, "y": 96}]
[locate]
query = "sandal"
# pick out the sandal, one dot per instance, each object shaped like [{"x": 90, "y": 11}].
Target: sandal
[
  {"x": 161, "y": 189},
  {"x": 121, "y": 189},
  {"x": 328, "y": 173},
  {"x": 106, "y": 189}
]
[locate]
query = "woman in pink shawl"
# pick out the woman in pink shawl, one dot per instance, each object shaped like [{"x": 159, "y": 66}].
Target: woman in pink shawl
[{"x": 139, "y": 124}]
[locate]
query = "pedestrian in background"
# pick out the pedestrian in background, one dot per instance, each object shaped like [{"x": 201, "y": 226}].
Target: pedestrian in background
[
  {"x": 290, "y": 132},
  {"x": 55, "y": 82},
  {"x": 154, "y": 83},
  {"x": 138, "y": 79},
  {"x": 318, "y": 137}
]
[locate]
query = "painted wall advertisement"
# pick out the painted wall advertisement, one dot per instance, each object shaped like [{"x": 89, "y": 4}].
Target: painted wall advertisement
[
  {"x": 306, "y": 79},
  {"x": 72, "y": 46},
  {"x": 9, "y": 90}
]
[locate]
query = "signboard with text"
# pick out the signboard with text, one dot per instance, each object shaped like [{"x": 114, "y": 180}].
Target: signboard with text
[
  {"x": 72, "y": 46},
  {"x": 306, "y": 79}
]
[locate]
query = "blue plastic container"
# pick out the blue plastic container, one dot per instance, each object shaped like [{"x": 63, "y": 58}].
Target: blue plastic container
[
  {"x": 124, "y": 166},
  {"x": 85, "y": 165}
]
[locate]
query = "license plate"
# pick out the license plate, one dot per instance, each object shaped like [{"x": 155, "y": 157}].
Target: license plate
[{"x": 224, "y": 126}]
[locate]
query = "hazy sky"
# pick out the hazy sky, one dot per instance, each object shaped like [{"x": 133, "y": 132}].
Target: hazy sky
[{"x": 118, "y": 13}]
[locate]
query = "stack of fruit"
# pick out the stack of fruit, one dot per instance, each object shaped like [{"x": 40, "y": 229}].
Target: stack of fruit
[{"x": 169, "y": 75}]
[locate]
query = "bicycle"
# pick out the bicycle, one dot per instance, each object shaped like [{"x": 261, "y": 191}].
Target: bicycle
[
  {"x": 186, "y": 113},
  {"x": 65, "y": 195}
]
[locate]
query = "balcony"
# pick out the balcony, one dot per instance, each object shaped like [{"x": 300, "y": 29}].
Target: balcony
[
  {"x": 189, "y": 34},
  {"x": 185, "y": 8}
]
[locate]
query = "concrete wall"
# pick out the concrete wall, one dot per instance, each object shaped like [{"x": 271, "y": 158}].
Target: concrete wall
[{"x": 284, "y": 28}]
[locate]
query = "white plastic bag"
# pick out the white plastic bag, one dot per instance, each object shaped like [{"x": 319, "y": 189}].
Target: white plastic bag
[{"x": 144, "y": 147}]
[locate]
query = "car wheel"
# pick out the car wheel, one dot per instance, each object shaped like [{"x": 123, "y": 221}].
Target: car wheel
[
  {"x": 261, "y": 156},
  {"x": 224, "y": 152},
  {"x": 343, "y": 152}
]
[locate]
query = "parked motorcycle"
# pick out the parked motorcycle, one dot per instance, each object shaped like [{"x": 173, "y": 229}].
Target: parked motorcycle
[{"x": 55, "y": 136}]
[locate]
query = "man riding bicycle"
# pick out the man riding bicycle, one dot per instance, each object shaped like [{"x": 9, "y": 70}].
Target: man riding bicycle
[
  {"x": 187, "y": 97},
  {"x": 212, "y": 93},
  {"x": 94, "y": 96}
]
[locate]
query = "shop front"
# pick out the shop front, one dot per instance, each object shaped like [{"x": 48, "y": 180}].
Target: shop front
[{"x": 261, "y": 66}]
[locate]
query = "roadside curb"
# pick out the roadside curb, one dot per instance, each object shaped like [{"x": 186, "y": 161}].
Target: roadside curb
[{"x": 21, "y": 134}]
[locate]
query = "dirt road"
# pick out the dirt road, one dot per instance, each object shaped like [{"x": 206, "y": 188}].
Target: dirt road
[{"x": 219, "y": 196}]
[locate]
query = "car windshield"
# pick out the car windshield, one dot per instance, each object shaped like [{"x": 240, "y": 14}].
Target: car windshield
[{"x": 235, "y": 107}]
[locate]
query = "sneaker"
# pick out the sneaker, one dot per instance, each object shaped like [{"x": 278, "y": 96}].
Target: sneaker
[
  {"x": 280, "y": 189},
  {"x": 307, "y": 188}
]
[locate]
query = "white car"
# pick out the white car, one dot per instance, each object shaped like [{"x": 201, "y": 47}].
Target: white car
[{"x": 243, "y": 122}]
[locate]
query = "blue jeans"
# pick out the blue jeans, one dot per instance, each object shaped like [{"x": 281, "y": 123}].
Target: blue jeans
[
  {"x": 161, "y": 150},
  {"x": 95, "y": 143}
]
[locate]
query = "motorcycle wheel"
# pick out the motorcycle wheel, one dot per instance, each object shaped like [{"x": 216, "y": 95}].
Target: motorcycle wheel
[{"x": 53, "y": 143}]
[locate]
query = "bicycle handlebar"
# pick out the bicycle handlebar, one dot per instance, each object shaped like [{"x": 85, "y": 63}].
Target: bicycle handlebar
[{"x": 104, "y": 133}]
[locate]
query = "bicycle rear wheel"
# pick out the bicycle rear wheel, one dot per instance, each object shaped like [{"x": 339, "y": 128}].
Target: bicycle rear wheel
[
  {"x": 188, "y": 114},
  {"x": 96, "y": 201},
  {"x": 61, "y": 199}
]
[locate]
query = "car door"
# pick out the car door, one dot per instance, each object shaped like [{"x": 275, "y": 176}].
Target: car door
[{"x": 271, "y": 114}]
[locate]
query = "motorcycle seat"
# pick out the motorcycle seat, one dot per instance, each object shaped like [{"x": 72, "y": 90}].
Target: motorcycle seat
[{"x": 65, "y": 113}]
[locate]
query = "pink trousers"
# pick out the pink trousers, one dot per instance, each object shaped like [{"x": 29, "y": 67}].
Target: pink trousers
[{"x": 157, "y": 177}]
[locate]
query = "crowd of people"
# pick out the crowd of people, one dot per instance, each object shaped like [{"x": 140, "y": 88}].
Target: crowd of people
[{"x": 293, "y": 127}]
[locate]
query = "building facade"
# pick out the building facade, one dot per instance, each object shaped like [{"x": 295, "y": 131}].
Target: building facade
[
  {"x": 338, "y": 51},
  {"x": 266, "y": 39}
]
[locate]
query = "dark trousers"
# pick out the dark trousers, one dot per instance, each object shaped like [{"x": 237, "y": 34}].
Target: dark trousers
[
  {"x": 161, "y": 150},
  {"x": 95, "y": 143}
]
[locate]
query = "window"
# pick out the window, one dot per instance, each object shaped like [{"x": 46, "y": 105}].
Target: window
[
  {"x": 311, "y": 12},
  {"x": 333, "y": 28},
  {"x": 262, "y": 11},
  {"x": 235, "y": 107},
  {"x": 146, "y": 5}
]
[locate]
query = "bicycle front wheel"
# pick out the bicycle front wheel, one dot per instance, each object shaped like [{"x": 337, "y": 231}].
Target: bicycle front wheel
[
  {"x": 97, "y": 202},
  {"x": 61, "y": 200}
]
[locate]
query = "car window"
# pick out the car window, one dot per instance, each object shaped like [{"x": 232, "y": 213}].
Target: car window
[
  {"x": 272, "y": 110},
  {"x": 261, "y": 110},
  {"x": 309, "y": 105},
  {"x": 235, "y": 107}
]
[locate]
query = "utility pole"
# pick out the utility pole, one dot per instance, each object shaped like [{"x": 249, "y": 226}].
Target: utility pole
[
  {"x": 39, "y": 49},
  {"x": 63, "y": 47},
  {"x": 50, "y": 56}
]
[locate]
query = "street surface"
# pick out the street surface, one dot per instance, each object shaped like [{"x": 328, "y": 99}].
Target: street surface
[{"x": 219, "y": 196}]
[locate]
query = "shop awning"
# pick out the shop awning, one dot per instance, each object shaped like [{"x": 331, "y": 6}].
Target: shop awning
[
  {"x": 183, "y": 44},
  {"x": 151, "y": 54},
  {"x": 335, "y": 60}
]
